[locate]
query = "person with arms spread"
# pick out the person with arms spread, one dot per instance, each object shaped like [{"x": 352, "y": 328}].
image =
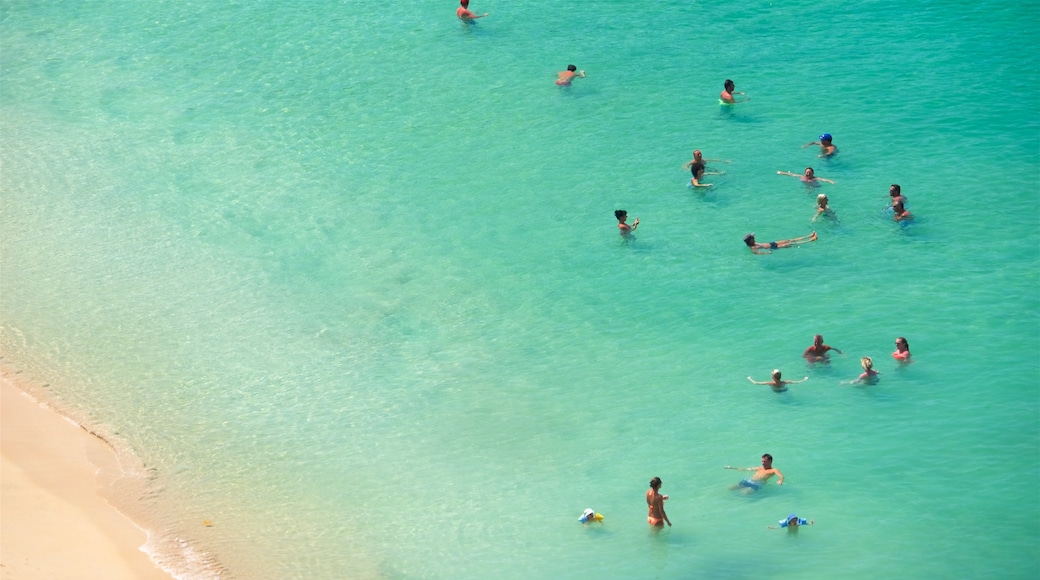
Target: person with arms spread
[
  {"x": 818, "y": 352},
  {"x": 761, "y": 476},
  {"x": 827, "y": 148}
]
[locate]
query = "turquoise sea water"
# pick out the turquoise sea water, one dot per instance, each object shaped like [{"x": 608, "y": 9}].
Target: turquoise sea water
[{"x": 345, "y": 276}]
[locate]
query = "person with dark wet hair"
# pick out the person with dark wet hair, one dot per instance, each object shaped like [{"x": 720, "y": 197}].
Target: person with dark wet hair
[
  {"x": 757, "y": 248},
  {"x": 564, "y": 77},
  {"x": 726, "y": 96},
  {"x": 899, "y": 212},
  {"x": 464, "y": 13},
  {"x": 655, "y": 501},
  {"x": 896, "y": 193},
  {"x": 622, "y": 216}
]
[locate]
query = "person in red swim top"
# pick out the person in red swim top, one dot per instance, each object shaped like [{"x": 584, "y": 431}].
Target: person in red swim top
[
  {"x": 564, "y": 77},
  {"x": 464, "y": 13},
  {"x": 655, "y": 501},
  {"x": 818, "y": 351}
]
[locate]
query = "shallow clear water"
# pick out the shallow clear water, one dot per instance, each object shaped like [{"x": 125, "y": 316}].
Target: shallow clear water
[{"x": 346, "y": 277}]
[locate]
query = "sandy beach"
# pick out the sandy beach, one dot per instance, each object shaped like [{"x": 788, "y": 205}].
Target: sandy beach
[{"x": 54, "y": 519}]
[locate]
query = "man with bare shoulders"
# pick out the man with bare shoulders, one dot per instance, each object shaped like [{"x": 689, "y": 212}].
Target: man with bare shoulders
[
  {"x": 761, "y": 476},
  {"x": 464, "y": 13},
  {"x": 818, "y": 352}
]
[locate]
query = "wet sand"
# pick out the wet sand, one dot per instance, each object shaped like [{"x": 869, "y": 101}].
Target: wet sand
[{"x": 54, "y": 519}]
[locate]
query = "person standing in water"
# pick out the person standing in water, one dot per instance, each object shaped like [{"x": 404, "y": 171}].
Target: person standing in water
[
  {"x": 698, "y": 158},
  {"x": 818, "y": 352},
  {"x": 895, "y": 193},
  {"x": 726, "y": 96},
  {"x": 869, "y": 375},
  {"x": 564, "y": 77},
  {"x": 899, "y": 212},
  {"x": 622, "y": 216},
  {"x": 827, "y": 148},
  {"x": 464, "y": 14},
  {"x": 761, "y": 476},
  {"x": 655, "y": 501},
  {"x": 902, "y": 352},
  {"x": 822, "y": 209}
]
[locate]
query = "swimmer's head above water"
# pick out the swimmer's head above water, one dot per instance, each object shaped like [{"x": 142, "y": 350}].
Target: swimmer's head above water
[
  {"x": 728, "y": 85},
  {"x": 572, "y": 68},
  {"x": 749, "y": 239},
  {"x": 464, "y": 3},
  {"x": 826, "y": 137}
]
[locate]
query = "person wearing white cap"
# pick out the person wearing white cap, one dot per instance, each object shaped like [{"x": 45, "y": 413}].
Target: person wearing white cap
[
  {"x": 589, "y": 516},
  {"x": 791, "y": 522}
]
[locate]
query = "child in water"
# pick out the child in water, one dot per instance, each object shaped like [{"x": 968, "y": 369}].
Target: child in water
[
  {"x": 791, "y": 522},
  {"x": 590, "y": 516}
]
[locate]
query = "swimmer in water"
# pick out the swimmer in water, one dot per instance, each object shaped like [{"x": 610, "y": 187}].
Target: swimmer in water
[
  {"x": 761, "y": 476},
  {"x": 655, "y": 501},
  {"x": 699, "y": 158},
  {"x": 756, "y": 247},
  {"x": 809, "y": 177},
  {"x": 902, "y": 352},
  {"x": 899, "y": 212},
  {"x": 827, "y": 148},
  {"x": 564, "y": 77},
  {"x": 822, "y": 209},
  {"x": 626, "y": 229},
  {"x": 778, "y": 385},
  {"x": 791, "y": 522},
  {"x": 726, "y": 96},
  {"x": 464, "y": 13},
  {"x": 818, "y": 352},
  {"x": 869, "y": 375},
  {"x": 895, "y": 193},
  {"x": 697, "y": 172}
]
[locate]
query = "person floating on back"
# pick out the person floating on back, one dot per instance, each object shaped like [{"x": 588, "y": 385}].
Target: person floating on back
[
  {"x": 564, "y": 77},
  {"x": 757, "y": 248},
  {"x": 464, "y": 13},
  {"x": 827, "y": 148}
]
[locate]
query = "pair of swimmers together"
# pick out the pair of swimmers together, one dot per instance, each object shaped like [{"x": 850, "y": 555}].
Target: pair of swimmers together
[{"x": 657, "y": 516}]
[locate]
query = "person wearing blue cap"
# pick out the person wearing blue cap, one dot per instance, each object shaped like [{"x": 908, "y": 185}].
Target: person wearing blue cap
[
  {"x": 827, "y": 148},
  {"x": 791, "y": 522}
]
